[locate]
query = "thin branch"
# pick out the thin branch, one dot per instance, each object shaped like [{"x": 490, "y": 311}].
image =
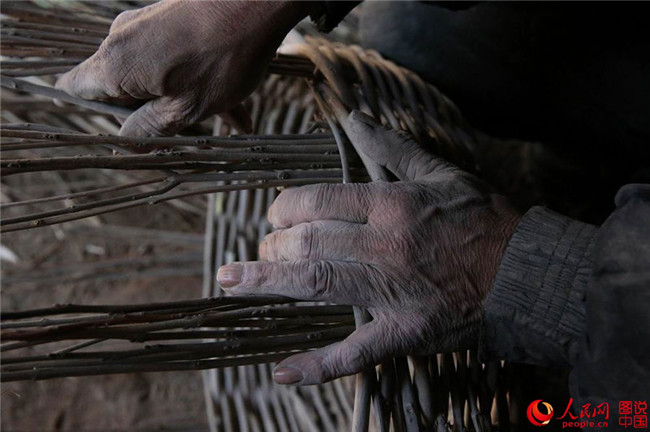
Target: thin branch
[
  {"x": 82, "y": 194},
  {"x": 61, "y": 309},
  {"x": 20, "y": 85},
  {"x": 49, "y": 373}
]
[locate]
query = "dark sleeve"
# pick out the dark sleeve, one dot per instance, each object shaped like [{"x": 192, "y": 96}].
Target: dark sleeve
[
  {"x": 571, "y": 294},
  {"x": 535, "y": 312},
  {"x": 614, "y": 359},
  {"x": 330, "y": 13}
]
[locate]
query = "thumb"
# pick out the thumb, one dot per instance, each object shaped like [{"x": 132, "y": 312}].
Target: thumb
[
  {"x": 364, "y": 348},
  {"x": 163, "y": 116},
  {"x": 392, "y": 149},
  {"x": 239, "y": 118}
]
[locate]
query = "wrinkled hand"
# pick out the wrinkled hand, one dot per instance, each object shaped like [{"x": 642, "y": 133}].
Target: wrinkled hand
[
  {"x": 186, "y": 59},
  {"x": 421, "y": 254}
]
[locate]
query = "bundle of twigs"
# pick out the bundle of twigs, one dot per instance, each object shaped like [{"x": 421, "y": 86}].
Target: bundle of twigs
[
  {"x": 207, "y": 333},
  {"x": 225, "y": 332},
  {"x": 242, "y": 161}
]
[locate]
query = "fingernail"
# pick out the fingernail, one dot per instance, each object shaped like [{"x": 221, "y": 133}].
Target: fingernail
[
  {"x": 229, "y": 275},
  {"x": 287, "y": 375}
]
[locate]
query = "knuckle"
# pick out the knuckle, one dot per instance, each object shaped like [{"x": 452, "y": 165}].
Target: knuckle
[
  {"x": 255, "y": 275},
  {"x": 402, "y": 253},
  {"x": 111, "y": 51},
  {"x": 414, "y": 167},
  {"x": 402, "y": 337},
  {"x": 405, "y": 164},
  {"x": 317, "y": 276},
  {"x": 320, "y": 200},
  {"x": 360, "y": 356},
  {"x": 349, "y": 357},
  {"x": 109, "y": 76},
  {"x": 122, "y": 19},
  {"x": 133, "y": 81},
  {"x": 306, "y": 239},
  {"x": 166, "y": 118},
  {"x": 270, "y": 246},
  {"x": 178, "y": 111},
  {"x": 395, "y": 203},
  {"x": 279, "y": 246}
]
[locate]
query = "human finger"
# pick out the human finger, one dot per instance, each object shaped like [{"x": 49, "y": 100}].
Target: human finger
[
  {"x": 344, "y": 202},
  {"x": 309, "y": 280},
  {"x": 392, "y": 149},
  {"x": 364, "y": 348},
  {"x": 163, "y": 116},
  {"x": 321, "y": 240}
]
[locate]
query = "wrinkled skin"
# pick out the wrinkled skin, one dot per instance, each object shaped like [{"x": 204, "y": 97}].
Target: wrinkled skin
[
  {"x": 184, "y": 60},
  {"x": 421, "y": 254}
]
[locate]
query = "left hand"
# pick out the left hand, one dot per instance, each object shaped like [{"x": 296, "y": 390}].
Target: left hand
[
  {"x": 421, "y": 254},
  {"x": 183, "y": 60}
]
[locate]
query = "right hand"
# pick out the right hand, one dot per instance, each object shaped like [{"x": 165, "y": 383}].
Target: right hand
[
  {"x": 420, "y": 254},
  {"x": 186, "y": 59}
]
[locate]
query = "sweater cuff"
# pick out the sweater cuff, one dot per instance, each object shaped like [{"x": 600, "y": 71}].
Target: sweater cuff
[{"x": 535, "y": 312}]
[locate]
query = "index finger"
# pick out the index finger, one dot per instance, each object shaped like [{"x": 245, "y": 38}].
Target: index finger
[{"x": 344, "y": 202}]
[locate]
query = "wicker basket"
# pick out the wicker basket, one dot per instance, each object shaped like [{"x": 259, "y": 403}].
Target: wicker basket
[{"x": 312, "y": 89}]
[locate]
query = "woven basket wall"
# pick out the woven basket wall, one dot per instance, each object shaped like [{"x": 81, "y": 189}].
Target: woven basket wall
[{"x": 421, "y": 393}]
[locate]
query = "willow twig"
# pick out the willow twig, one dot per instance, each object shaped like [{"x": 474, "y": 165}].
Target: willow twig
[
  {"x": 82, "y": 194},
  {"x": 32, "y": 131},
  {"x": 49, "y": 373},
  {"x": 168, "y": 184},
  {"x": 41, "y": 222},
  {"x": 55, "y": 29},
  {"x": 185, "y": 351},
  {"x": 20, "y": 85},
  {"x": 60, "y": 309},
  {"x": 10, "y": 28}
]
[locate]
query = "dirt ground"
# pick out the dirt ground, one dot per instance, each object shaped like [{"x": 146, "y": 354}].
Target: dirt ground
[{"x": 64, "y": 264}]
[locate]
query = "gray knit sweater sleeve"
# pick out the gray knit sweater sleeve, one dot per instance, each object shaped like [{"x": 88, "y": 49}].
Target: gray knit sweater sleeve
[
  {"x": 568, "y": 293},
  {"x": 535, "y": 312}
]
